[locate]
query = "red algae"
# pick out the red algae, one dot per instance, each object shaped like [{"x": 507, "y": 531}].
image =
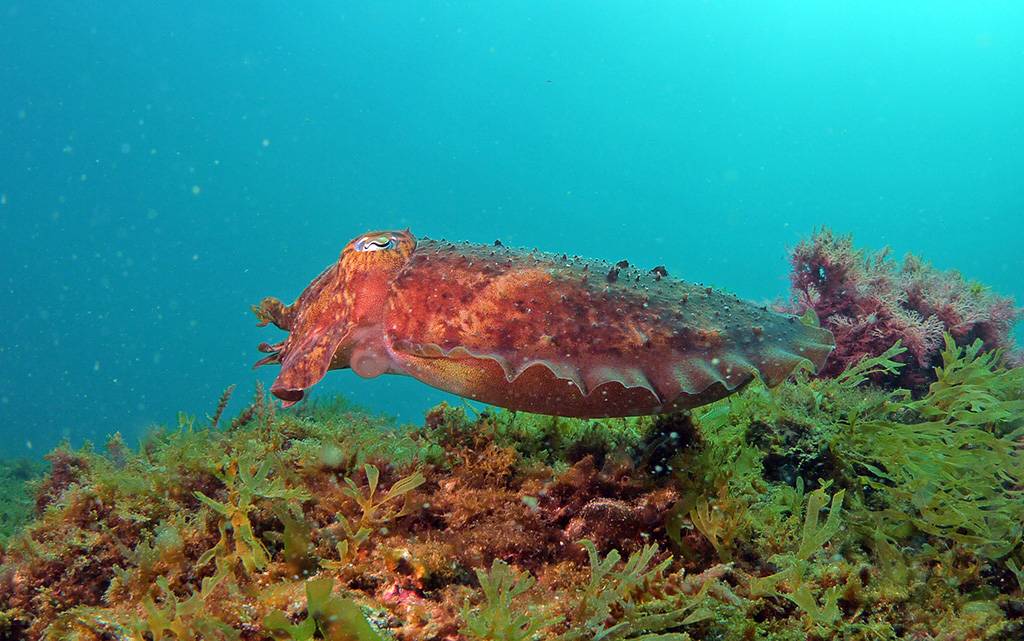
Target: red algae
[{"x": 869, "y": 302}]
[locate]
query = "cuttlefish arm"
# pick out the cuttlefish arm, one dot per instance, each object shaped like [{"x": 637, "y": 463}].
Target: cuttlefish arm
[
  {"x": 317, "y": 323},
  {"x": 335, "y": 322},
  {"x": 271, "y": 310}
]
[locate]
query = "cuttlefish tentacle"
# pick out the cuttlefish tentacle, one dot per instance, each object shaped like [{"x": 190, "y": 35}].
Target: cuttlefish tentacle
[{"x": 531, "y": 331}]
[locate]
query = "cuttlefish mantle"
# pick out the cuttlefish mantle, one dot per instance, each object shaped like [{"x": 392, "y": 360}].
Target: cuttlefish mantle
[{"x": 528, "y": 330}]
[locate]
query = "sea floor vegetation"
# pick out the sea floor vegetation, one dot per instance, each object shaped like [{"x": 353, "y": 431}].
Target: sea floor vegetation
[
  {"x": 881, "y": 500},
  {"x": 869, "y": 301},
  {"x": 16, "y": 504},
  {"x": 821, "y": 509}
]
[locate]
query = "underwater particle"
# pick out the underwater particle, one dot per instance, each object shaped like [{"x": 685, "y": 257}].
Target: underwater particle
[
  {"x": 3, "y": 199},
  {"x": 265, "y": 142},
  {"x": 195, "y": 190},
  {"x": 527, "y": 333}
]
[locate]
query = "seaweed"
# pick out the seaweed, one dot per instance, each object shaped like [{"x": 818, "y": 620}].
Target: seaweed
[
  {"x": 822, "y": 508},
  {"x": 499, "y": 619},
  {"x": 16, "y": 503},
  {"x": 375, "y": 511},
  {"x": 949, "y": 463},
  {"x": 631, "y": 603},
  {"x": 821, "y": 609},
  {"x": 869, "y": 302},
  {"x": 720, "y": 522},
  {"x": 186, "y": 620},
  {"x": 329, "y": 616},
  {"x": 245, "y": 483}
]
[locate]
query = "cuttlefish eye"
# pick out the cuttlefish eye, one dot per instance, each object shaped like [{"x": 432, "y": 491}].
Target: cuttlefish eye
[{"x": 374, "y": 243}]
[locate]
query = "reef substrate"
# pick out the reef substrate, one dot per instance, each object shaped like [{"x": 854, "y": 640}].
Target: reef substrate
[{"x": 826, "y": 508}]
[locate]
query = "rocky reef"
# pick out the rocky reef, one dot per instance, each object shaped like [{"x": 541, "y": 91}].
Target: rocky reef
[{"x": 842, "y": 507}]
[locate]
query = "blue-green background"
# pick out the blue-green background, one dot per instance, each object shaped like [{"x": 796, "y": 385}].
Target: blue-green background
[{"x": 165, "y": 165}]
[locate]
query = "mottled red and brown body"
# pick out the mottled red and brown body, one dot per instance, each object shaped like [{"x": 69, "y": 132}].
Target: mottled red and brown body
[{"x": 531, "y": 331}]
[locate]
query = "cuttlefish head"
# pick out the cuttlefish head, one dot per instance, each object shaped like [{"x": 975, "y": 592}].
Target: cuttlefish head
[{"x": 336, "y": 322}]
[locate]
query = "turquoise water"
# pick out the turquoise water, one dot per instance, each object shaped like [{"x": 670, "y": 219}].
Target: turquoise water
[{"x": 164, "y": 166}]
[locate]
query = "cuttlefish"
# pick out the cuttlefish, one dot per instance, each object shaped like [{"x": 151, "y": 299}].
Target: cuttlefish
[{"x": 528, "y": 330}]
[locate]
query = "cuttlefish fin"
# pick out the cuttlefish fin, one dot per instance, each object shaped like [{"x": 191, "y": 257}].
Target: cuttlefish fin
[{"x": 304, "y": 362}]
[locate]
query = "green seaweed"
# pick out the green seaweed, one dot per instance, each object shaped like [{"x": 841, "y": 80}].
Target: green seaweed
[
  {"x": 376, "y": 511},
  {"x": 628, "y": 603},
  {"x": 948, "y": 462},
  {"x": 246, "y": 482},
  {"x": 821, "y": 609},
  {"x": 1018, "y": 572},
  {"x": 296, "y": 549},
  {"x": 16, "y": 504},
  {"x": 499, "y": 618},
  {"x": 330, "y": 617},
  {"x": 186, "y": 620},
  {"x": 159, "y": 554},
  {"x": 720, "y": 521},
  {"x": 822, "y": 508}
]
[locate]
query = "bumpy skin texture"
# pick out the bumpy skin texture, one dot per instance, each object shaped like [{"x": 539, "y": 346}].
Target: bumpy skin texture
[{"x": 530, "y": 331}]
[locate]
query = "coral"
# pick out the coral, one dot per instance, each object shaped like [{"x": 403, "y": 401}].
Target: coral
[
  {"x": 823, "y": 508},
  {"x": 869, "y": 303}
]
